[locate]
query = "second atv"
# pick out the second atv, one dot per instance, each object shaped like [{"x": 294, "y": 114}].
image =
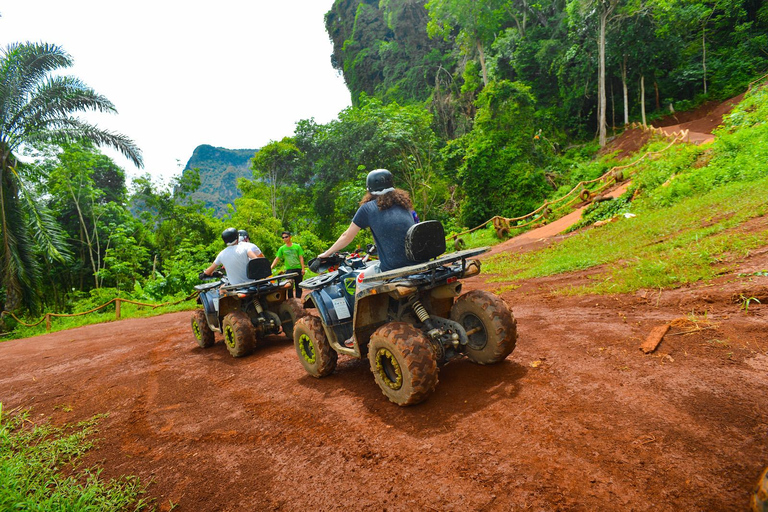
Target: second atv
[
  {"x": 408, "y": 322},
  {"x": 245, "y": 313}
]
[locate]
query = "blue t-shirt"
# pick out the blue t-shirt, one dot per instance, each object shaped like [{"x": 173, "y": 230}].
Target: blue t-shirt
[{"x": 388, "y": 227}]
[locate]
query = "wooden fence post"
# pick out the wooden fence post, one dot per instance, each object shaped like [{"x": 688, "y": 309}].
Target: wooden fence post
[
  {"x": 117, "y": 308},
  {"x": 47, "y": 322}
]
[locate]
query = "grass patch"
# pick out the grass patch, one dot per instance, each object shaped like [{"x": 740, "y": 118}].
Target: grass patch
[
  {"x": 40, "y": 469},
  {"x": 662, "y": 248}
]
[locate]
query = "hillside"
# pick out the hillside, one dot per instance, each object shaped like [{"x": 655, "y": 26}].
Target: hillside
[{"x": 219, "y": 170}]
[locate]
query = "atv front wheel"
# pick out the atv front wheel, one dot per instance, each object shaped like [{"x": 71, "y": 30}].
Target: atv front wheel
[
  {"x": 239, "y": 336},
  {"x": 759, "y": 499},
  {"x": 290, "y": 311},
  {"x": 491, "y": 327},
  {"x": 203, "y": 333},
  {"x": 312, "y": 347},
  {"x": 403, "y": 363}
]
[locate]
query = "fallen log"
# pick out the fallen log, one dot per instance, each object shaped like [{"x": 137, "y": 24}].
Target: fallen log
[{"x": 654, "y": 338}]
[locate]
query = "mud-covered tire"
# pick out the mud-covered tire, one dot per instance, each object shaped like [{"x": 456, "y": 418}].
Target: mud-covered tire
[
  {"x": 315, "y": 353},
  {"x": 239, "y": 336},
  {"x": 759, "y": 499},
  {"x": 203, "y": 333},
  {"x": 289, "y": 312},
  {"x": 403, "y": 363},
  {"x": 490, "y": 326}
]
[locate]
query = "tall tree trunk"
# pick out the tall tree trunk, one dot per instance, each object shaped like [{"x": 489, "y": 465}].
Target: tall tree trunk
[
  {"x": 642, "y": 97},
  {"x": 601, "y": 102},
  {"x": 626, "y": 93},
  {"x": 481, "y": 53},
  {"x": 613, "y": 111},
  {"x": 89, "y": 242},
  {"x": 704, "y": 56},
  {"x": 9, "y": 278}
]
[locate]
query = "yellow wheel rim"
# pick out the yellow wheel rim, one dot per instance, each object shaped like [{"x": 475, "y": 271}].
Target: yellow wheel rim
[
  {"x": 307, "y": 349},
  {"x": 229, "y": 336},
  {"x": 388, "y": 369}
]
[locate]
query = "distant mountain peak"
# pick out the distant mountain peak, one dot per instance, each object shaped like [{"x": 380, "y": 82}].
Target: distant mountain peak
[{"x": 219, "y": 170}]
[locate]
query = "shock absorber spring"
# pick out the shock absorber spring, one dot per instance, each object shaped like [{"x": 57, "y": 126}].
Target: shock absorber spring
[{"x": 420, "y": 311}]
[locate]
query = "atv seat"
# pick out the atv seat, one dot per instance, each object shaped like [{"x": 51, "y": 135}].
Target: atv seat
[
  {"x": 258, "y": 268},
  {"x": 425, "y": 241}
]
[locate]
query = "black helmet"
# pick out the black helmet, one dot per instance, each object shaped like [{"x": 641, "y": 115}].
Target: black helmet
[
  {"x": 378, "y": 181},
  {"x": 229, "y": 236},
  {"x": 243, "y": 234}
]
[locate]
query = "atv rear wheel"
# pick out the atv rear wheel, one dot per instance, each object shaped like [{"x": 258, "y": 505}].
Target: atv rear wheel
[
  {"x": 290, "y": 311},
  {"x": 203, "y": 333},
  {"x": 491, "y": 327},
  {"x": 239, "y": 336},
  {"x": 315, "y": 353},
  {"x": 403, "y": 363}
]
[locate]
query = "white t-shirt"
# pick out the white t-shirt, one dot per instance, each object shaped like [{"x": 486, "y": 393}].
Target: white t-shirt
[
  {"x": 235, "y": 261},
  {"x": 252, "y": 246}
]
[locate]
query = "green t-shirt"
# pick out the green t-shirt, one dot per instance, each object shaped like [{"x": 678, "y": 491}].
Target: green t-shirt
[{"x": 291, "y": 255}]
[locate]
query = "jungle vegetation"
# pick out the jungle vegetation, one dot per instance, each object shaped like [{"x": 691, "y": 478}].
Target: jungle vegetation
[{"x": 479, "y": 107}]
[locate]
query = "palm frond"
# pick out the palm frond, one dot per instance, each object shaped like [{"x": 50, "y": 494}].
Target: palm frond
[
  {"x": 67, "y": 130},
  {"x": 45, "y": 230},
  {"x": 21, "y": 272},
  {"x": 22, "y": 67}
]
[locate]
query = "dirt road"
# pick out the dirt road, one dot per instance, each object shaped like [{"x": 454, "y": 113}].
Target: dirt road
[{"x": 577, "y": 418}]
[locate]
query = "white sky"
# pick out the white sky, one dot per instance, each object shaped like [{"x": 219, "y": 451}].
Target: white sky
[{"x": 232, "y": 73}]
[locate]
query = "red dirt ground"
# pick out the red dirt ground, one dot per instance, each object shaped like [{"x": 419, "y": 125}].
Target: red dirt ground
[{"x": 577, "y": 418}]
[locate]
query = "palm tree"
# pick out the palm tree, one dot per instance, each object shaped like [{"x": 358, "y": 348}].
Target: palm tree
[{"x": 37, "y": 108}]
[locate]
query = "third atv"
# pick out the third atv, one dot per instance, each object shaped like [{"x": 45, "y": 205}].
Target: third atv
[
  {"x": 245, "y": 313},
  {"x": 408, "y": 322}
]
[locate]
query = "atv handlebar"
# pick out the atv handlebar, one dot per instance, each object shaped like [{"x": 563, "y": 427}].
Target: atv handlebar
[{"x": 215, "y": 275}]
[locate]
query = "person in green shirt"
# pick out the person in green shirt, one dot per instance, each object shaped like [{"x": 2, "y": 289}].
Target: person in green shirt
[{"x": 293, "y": 256}]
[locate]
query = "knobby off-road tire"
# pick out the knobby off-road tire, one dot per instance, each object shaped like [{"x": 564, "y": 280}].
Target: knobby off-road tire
[
  {"x": 290, "y": 311},
  {"x": 203, "y": 333},
  {"x": 759, "y": 499},
  {"x": 239, "y": 336},
  {"x": 403, "y": 363},
  {"x": 490, "y": 325},
  {"x": 315, "y": 353}
]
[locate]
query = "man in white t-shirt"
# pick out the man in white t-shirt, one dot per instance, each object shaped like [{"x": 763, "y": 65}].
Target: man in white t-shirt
[
  {"x": 234, "y": 257},
  {"x": 245, "y": 239}
]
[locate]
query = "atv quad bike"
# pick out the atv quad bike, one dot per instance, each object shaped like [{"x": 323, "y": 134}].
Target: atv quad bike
[
  {"x": 408, "y": 322},
  {"x": 245, "y": 313}
]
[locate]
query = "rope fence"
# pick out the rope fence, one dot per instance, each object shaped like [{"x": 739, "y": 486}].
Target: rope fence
[
  {"x": 579, "y": 193},
  {"x": 117, "y": 301}
]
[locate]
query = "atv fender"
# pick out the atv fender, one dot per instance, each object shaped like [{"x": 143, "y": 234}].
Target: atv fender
[{"x": 335, "y": 316}]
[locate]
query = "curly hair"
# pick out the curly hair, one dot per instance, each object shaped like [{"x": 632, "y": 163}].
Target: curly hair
[{"x": 386, "y": 201}]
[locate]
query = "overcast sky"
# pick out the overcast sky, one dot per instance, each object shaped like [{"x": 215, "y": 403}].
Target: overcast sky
[{"x": 231, "y": 73}]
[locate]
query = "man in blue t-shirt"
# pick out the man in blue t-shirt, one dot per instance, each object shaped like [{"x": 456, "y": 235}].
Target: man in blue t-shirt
[{"x": 389, "y": 213}]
